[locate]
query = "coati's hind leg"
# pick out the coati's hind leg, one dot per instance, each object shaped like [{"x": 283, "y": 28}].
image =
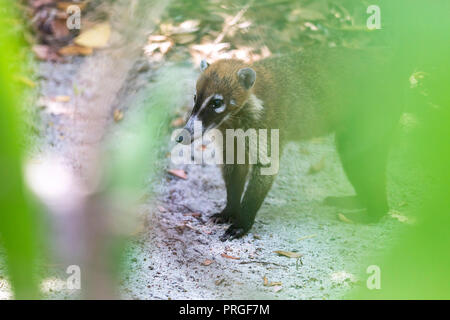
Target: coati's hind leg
[
  {"x": 364, "y": 163},
  {"x": 235, "y": 176},
  {"x": 257, "y": 189}
]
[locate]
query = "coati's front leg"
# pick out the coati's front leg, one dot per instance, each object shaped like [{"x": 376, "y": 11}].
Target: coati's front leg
[
  {"x": 235, "y": 176},
  {"x": 257, "y": 189}
]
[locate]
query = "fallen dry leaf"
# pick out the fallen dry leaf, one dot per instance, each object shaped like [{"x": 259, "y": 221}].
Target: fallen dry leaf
[
  {"x": 156, "y": 38},
  {"x": 416, "y": 77},
  {"x": 178, "y": 122},
  {"x": 271, "y": 284},
  {"x": 307, "y": 237},
  {"x": 229, "y": 257},
  {"x": 400, "y": 217},
  {"x": 118, "y": 115},
  {"x": 95, "y": 37},
  {"x": 63, "y": 5},
  {"x": 61, "y": 98},
  {"x": 342, "y": 276},
  {"x": 180, "y": 228},
  {"x": 162, "y": 209},
  {"x": 277, "y": 289},
  {"x": 289, "y": 254},
  {"x": 344, "y": 218},
  {"x": 193, "y": 214},
  {"x": 44, "y": 52},
  {"x": 265, "y": 52},
  {"x": 206, "y": 231},
  {"x": 188, "y": 26},
  {"x": 163, "y": 47},
  {"x": 75, "y": 50},
  {"x": 316, "y": 167},
  {"x": 207, "y": 262},
  {"x": 193, "y": 228},
  {"x": 209, "y": 48},
  {"x": 178, "y": 173},
  {"x": 150, "y": 48},
  {"x": 61, "y": 15}
]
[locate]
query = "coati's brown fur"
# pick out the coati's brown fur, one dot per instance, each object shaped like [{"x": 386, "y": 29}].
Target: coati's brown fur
[{"x": 308, "y": 94}]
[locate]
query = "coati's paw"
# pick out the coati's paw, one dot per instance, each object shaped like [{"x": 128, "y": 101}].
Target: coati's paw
[
  {"x": 233, "y": 232},
  {"x": 219, "y": 218},
  {"x": 347, "y": 202}
]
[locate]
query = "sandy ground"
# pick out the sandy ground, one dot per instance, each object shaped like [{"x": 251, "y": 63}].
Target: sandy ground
[
  {"x": 168, "y": 261},
  {"x": 180, "y": 256}
]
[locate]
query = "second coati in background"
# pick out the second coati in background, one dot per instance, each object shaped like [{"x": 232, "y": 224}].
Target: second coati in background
[{"x": 354, "y": 93}]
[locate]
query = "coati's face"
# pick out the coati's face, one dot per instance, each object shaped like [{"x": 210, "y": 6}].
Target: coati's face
[{"x": 222, "y": 90}]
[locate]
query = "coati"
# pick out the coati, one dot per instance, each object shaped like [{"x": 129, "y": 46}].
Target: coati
[{"x": 351, "y": 92}]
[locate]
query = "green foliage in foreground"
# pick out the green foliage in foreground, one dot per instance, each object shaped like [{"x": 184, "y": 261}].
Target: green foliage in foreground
[
  {"x": 135, "y": 151},
  {"x": 16, "y": 219},
  {"x": 418, "y": 267}
]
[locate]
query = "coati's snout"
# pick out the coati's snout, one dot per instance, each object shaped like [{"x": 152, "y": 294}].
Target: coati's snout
[{"x": 219, "y": 96}]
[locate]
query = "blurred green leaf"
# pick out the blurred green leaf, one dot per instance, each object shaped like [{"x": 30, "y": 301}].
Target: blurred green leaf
[{"x": 16, "y": 220}]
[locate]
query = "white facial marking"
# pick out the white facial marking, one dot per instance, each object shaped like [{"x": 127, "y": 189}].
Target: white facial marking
[
  {"x": 205, "y": 103},
  {"x": 193, "y": 126},
  {"x": 224, "y": 119},
  {"x": 256, "y": 105},
  {"x": 220, "y": 109}
]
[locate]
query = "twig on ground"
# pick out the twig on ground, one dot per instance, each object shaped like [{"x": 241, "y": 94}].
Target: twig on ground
[
  {"x": 307, "y": 237},
  {"x": 263, "y": 262}
]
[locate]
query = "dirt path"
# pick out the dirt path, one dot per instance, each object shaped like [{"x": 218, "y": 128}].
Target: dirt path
[{"x": 169, "y": 260}]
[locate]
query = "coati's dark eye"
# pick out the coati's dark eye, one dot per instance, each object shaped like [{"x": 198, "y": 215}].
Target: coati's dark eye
[
  {"x": 195, "y": 98},
  {"x": 216, "y": 103}
]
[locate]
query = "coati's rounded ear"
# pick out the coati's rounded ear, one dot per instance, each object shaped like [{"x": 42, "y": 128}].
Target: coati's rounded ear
[
  {"x": 247, "y": 77},
  {"x": 203, "y": 65}
]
